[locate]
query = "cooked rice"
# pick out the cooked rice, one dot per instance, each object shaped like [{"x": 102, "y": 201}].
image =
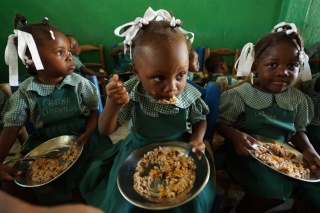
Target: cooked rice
[
  {"x": 43, "y": 169},
  {"x": 164, "y": 173},
  {"x": 172, "y": 100},
  {"x": 283, "y": 160}
]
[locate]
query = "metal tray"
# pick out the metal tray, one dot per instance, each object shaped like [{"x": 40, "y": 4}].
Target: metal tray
[
  {"x": 313, "y": 177},
  {"x": 62, "y": 143},
  {"x": 127, "y": 170}
]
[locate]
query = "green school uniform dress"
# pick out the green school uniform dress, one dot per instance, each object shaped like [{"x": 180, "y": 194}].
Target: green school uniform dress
[
  {"x": 213, "y": 77},
  {"x": 313, "y": 130},
  {"x": 56, "y": 110},
  {"x": 277, "y": 116},
  {"x": 152, "y": 122}
]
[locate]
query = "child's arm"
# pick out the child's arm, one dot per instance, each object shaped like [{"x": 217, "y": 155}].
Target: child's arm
[
  {"x": 88, "y": 71},
  {"x": 196, "y": 139},
  {"x": 240, "y": 140},
  {"x": 302, "y": 143},
  {"x": 117, "y": 98},
  {"x": 90, "y": 127},
  {"x": 7, "y": 138},
  {"x": 115, "y": 51}
]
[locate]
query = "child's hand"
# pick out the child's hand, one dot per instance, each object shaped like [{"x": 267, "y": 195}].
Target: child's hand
[
  {"x": 242, "y": 142},
  {"x": 116, "y": 92},
  {"x": 84, "y": 138},
  {"x": 7, "y": 173},
  {"x": 312, "y": 159},
  {"x": 199, "y": 148}
]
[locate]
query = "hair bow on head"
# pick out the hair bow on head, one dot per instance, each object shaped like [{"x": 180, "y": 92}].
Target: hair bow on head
[
  {"x": 24, "y": 40},
  {"x": 280, "y": 27},
  {"x": 149, "y": 15}
]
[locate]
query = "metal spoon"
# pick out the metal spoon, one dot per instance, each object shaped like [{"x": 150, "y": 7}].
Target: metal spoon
[{"x": 50, "y": 154}]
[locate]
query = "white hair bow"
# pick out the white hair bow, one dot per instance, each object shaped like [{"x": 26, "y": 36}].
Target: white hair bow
[
  {"x": 149, "y": 15},
  {"x": 24, "y": 40},
  {"x": 244, "y": 63}
]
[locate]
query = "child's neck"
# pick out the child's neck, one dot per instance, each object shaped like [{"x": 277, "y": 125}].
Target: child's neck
[{"x": 53, "y": 81}]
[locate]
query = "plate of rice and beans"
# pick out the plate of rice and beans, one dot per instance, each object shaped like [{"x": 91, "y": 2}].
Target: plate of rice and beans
[
  {"x": 40, "y": 170},
  {"x": 282, "y": 158},
  {"x": 162, "y": 175}
]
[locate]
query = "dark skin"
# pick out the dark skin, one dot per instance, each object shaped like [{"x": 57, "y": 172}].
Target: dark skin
[
  {"x": 58, "y": 63},
  {"x": 75, "y": 50},
  {"x": 162, "y": 72},
  {"x": 276, "y": 68}
]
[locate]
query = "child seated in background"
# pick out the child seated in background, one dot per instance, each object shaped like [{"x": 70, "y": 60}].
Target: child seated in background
[
  {"x": 56, "y": 102},
  {"x": 193, "y": 65},
  {"x": 313, "y": 52},
  {"x": 121, "y": 61},
  {"x": 160, "y": 53},
  {"x": 312, "y": 89},
  {"x": 80, "y": 68},
  {"x": 269, "y": 107},
  {"x": 217, "y": 67}
]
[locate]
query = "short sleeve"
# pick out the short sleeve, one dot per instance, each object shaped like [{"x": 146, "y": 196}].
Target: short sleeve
[
  {"x": 198, "y": 111},
  {"x": 304, "y": 114}
]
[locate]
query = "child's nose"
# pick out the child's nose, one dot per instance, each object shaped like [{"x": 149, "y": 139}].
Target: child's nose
[
  {"x": 283, "y": 71},
  {"x": 170, "y": 87}
]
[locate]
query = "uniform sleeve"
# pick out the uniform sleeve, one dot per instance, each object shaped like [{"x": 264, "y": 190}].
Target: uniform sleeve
[
  {"x": 231, "y": 106},
  {"x": 89, "y": 96},
  {"x": 198, "y": 111},
  {"x": 304, "y": 114},
  {"x": 15, "y": 112}
]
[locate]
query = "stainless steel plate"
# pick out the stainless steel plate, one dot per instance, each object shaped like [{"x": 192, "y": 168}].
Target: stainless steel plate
[
  {"x": 313, "y": 177},
  {"x": 127, "y": 170},
  {"x": 62, "y": 143}
]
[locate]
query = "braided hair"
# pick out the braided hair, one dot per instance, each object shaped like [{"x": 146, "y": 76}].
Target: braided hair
[
  {"x": 277, "y": 38},
  {"x": 161, "y": 31},
  {"x": 40, "y": 32}
]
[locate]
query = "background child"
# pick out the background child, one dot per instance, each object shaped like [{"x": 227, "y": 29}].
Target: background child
[
  {"x": 216, "y": 67},
  {"x": 193, "y": 65},
  {"x": 80, "y": 68},
  {"x": 271, "y": 108},
  {"x": 51, "y": 66},
  {"x": 312, "y": 88},
  {"x": 160, "y": 53}
]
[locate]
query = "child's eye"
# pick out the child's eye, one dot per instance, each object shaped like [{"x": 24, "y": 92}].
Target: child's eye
[
  {"x": 272, "y": 65},
  {"x": 293, "y": 66},
  {"x": 158, "y": 78},
  {"x": 59, "y": 53},
  {"x": 180, "y": 75}
]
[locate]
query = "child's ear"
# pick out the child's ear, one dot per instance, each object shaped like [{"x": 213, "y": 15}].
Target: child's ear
[
  {"x": 254, "y": 68},
  {"x": 134, "y": 71}
]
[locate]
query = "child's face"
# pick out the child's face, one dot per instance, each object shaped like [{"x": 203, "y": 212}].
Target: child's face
[
  {"x": 194, "y": 63},
  {"x": 56, "y": 58},
  {"x": 74, "y": 46},
  {"x": 277, "y": 68},
  {"x": 162, "y": 68}
]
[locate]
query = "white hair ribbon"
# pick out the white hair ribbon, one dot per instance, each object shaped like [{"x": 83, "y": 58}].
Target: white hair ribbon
[
  {"x": 244, "y": 63},
  {"x": 24, "y": 40},
  {"x": 149, "y": 15},
  {"x": 279, "y": 27}
]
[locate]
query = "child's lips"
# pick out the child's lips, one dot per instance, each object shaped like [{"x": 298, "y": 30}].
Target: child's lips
[{"x": 72, "y": 67}]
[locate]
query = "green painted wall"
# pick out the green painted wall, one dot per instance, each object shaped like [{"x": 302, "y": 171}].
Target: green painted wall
[{"x": 216, "y": 23}]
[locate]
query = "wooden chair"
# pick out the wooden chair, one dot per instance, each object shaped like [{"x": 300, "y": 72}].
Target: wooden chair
[
  {"x": 98, "y": 65},
  {"x": 223, "y": 52}
]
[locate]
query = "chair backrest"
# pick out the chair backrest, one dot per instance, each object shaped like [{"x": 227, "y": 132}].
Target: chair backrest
[
  {"x": 211, "y": 96},
  {"x": 96, "y": 64},
  {"x": 223, "y": 52}
]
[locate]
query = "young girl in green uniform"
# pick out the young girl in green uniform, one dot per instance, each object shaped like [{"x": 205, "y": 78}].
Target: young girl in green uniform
[
  {"x": 55, "y": 101},
  {"x": 274, "y": 109},
  {"x": 160, "y": 53}
]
